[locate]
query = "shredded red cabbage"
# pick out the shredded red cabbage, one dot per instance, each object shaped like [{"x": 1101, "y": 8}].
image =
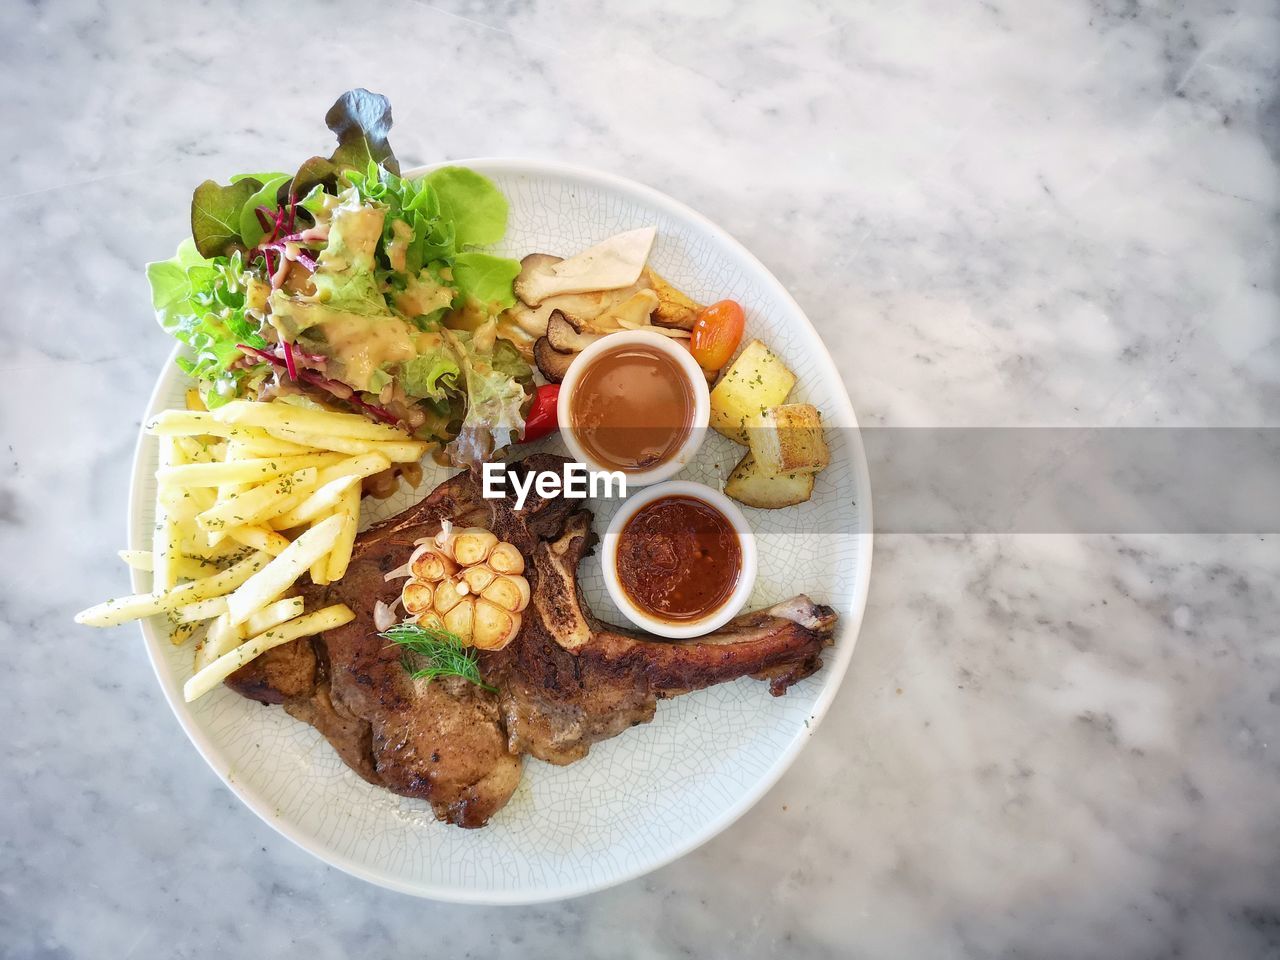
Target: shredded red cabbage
[
  {"x": 339, "y": 390},
  {"x": 288, "y": 360}
]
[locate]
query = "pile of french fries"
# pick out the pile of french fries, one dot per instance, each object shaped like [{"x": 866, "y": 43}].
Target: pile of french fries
[{"x": 249, "y": 498}]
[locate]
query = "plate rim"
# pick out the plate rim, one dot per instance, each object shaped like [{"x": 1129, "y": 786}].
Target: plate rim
[{"x": 835, "y": 669}]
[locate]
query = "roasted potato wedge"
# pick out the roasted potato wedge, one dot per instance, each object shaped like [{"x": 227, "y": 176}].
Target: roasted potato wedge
[
  {"x": 788, "y": 439},
  {"x": 750, "y": 485},
  {"x": 755, "y": 381}
]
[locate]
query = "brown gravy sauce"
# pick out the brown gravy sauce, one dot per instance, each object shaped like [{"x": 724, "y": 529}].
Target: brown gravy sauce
[{"x": 632, "y": 409}]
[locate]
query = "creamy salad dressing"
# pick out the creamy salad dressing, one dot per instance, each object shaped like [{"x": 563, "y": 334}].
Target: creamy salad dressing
[{"x": 365, "y": 345}]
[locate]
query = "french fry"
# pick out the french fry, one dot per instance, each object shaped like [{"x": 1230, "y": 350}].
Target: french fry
[
  {"x": 201, "y": 610},
  {"x": 123, "y": 609},
  {"x": 224, "y": 493},
  {"x": 231, "y": 661},
  {"x": 193, "y": 451},
  {"x": 136, "y": 559},
  {"x": 269, "y": 583},
  {"x": 328, "y": 495},
  {"x": 180, "y": 506},
  {"x": 237, "y": 449},
  {"x": 194, "y": 568},
  {"x": 190, "y": 567},
  {"x": 260, "y": 538},
  {"x": 304, "y": 420},
  {"x": 195, "y": 543},
  {"x": 257, "y": 504},
  {"x": 164, "y": 538},
  {"x": 218, "y": 639},
  {"x": 271, "y": 614},
  {"x": 362, "y": 465},
  {"x": 340, "y": 555},
  {"x": 404, "y": 451},
  {"x": 180, "y": 633},
  {"x": 258, "y": 470},
  {"x": 267, "y": 445},
  {"x": 320, "y": 565},
  {"x": 192, "y": 423},
  {"x": 319, "y": 503}
]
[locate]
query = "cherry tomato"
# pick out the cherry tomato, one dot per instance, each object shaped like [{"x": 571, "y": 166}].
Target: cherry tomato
[{"x": 716, "y": 333}]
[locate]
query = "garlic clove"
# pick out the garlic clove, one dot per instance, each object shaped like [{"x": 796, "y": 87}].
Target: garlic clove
[
  {"x": 429, "y": 564},
  {"x": 459, "y": 619},
  {"x": 417, "y": 597},
  {"x": 506, "y": 558},
  {"x": 472, "y": 545},
  {"x": 478, "y": 578},
  {"x": 430, "y": 620},
  {"x": 448, "y": 596},
  {"x": 511, "y": 593},
  {"x": 493, "y": 627}
]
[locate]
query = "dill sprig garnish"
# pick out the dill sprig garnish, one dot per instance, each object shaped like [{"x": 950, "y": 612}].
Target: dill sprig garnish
[{"x": 427, "y": 653}]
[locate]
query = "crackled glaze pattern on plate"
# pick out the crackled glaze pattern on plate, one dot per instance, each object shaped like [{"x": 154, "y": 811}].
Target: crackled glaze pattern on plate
[{"x": 659, "y": 790}]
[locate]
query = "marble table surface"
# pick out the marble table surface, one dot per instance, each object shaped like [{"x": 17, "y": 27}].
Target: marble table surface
[{"x": 1037, "y": 213}]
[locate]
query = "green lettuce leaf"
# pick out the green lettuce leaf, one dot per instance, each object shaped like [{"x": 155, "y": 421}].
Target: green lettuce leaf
[
  {"x": 476, "y": 208},
  {"x": 430, "y": 376},
  {"x": 201, "y": 302},
  {"x": 494, "y": 399},
  {"x": 251, "y": 232},
  {"x": 486, "y": 279}
]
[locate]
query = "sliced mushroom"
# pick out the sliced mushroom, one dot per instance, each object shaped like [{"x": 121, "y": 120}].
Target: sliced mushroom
[
  {"x": 552, "y": 364},
  {"x": 533, "y": 266},
  {"x": 614, "y": 263},
  {"x": 580, "y": 309},
  {"x": 564, "y": 336},
  {"x": 531, "y": 320},
  {"x": 632, "y": 314}
]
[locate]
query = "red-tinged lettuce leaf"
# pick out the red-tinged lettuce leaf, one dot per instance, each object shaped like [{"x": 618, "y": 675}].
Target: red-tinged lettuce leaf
[
  {"x": 361, "y": 121},
  {"x": 215, "y": 214}
]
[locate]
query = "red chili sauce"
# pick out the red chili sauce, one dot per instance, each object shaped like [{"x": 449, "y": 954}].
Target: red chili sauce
[{"x": 679, "y": 559}]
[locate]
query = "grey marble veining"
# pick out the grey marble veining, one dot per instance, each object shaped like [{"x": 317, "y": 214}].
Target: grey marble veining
[{"x": 997, "y": 214}]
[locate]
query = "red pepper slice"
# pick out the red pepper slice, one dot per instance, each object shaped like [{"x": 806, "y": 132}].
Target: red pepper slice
[{"x": 542, "y": 419}]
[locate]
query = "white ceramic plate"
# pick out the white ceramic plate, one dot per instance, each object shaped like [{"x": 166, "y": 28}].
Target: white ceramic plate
[{"x": 656, "y": 792}]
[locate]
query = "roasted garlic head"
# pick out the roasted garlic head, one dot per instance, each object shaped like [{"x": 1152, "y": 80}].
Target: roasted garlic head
[{"x": 470, "y": 583}]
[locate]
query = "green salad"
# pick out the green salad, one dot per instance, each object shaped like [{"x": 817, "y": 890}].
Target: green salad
[{"x": 349, "y": 286}]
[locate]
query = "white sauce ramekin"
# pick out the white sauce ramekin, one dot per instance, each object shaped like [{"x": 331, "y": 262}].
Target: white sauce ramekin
[{"x": 697, "y": 381}]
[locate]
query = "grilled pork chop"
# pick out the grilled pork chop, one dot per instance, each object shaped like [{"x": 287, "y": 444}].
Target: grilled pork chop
[{"x": 566, "y": 681}]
